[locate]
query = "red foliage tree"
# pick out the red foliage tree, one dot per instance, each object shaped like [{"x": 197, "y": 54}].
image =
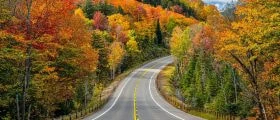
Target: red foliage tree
[{"x": 100, "y": 21}]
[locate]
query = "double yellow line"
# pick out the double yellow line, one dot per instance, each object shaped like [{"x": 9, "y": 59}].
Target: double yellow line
[{"x": 135, "y": 115}]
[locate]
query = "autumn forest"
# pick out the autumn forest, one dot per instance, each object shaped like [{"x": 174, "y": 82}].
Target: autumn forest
[{"x": 57, "y": 56}]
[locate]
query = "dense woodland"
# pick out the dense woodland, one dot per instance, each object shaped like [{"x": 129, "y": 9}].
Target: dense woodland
[
  {"x": 230, "y": 64},
  {"x": 57, "y": 55}
]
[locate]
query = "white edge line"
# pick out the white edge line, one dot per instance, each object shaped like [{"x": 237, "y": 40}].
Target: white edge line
[
  {"x": 129, "y": 79},
  {"x": 157, "y": 102}
]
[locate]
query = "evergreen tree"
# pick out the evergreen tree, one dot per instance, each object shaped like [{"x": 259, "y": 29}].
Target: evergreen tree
[
  {"x": 152, "y": 2},
  {"x": 189, "y": 75},
  {"x": 88, "y": 9},
  {"x": 158, "y": 34},
  {"x": 100, "y": 41}
]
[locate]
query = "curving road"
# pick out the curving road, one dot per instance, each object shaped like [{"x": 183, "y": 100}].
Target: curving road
[{"x": 137, "y": 95}]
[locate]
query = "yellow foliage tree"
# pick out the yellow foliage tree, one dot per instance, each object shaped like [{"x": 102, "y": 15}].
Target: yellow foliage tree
[
  {"x": 119, "y": 26},
  {"x": 115, "y": 57},
  {"x": 79, "y": 12},
  {"x": 132, "y": 45},
  {"x": 252, "y": 46},
  {"x": 179, "y": 46}
]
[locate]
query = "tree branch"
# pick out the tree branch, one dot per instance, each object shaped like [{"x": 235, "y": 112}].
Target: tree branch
[{"x": 245, "y": 68}]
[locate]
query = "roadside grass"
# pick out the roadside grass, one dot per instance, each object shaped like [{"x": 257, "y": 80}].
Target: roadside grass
[
  {"x": 203, "y": 115},
  {"x": 165, "y": 76}
]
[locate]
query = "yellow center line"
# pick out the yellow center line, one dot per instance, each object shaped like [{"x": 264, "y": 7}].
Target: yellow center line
[{"x": 135, "y": 115}]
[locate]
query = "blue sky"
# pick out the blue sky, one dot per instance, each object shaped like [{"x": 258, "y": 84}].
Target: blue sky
[
  {"x": 220, "y": 4},
  {"x": 224, "y": 1}
]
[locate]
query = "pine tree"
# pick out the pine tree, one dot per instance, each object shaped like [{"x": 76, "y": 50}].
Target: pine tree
[
  {"x": 88, "y": 9},
  {"x": 158, "y": 33},
  {"x": 100, "y": 41}
]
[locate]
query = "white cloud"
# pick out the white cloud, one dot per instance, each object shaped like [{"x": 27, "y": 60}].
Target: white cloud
[
  {"x": 220, "y": 4},
  {"x": 224, "y": 1}
]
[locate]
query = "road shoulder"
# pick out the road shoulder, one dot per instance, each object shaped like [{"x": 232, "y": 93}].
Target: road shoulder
[{"x": 167, "y": 91}]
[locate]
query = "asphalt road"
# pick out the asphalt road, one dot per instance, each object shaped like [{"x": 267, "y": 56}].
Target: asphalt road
[{"x": 137, "y": 94}]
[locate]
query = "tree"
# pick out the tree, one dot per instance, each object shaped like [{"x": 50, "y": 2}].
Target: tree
[
  {"x": 11, "y": 71},
  {"x": 119, "y": 26},
  {"x": 180, "y": 44},
  {"x": 28, "y": 58},
  {"x": 133, "y": 52},
  {"x": 101, "y": 41},
  {"x": 100, "y": 21},
  {"x": 60, "y": 63},
  {"x": 139, "y": 13},
  {"x": 79, "y": 12},
  {"x": 47, "y": 39},
  {"x": 132, "y": 45},
  {"x": 177, "y": 9},
  {"x": 105, "y": 8},
  {"x": 153, "y": 2},
  {"x": 158, "y": 34},
  {"x": 88, "y": 8},
  {"x": 115, "y": 57},
  {"x": 249, "y": 45},
  {"x": 5, "y": 13},
  {"x": 170, "y": 26}
]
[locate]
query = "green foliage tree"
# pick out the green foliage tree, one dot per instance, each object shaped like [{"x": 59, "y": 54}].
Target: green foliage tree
[
  {"x": 159, "y": 37},
  {"x": 170, "y": 25},
  {"x": 153, "y": 2},
  {"x": 204, "y": 82},
  {"x": 88, "y": 9},
  {"x": 168, "y": 4},
  {"x": 5, "y": 13},
  {"x": 133, "y": 52},
  {"x": 101, "y": 41},
  {"x": 11, "y": 72}
]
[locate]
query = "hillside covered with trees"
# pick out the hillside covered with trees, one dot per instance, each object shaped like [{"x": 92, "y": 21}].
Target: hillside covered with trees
[
  {"x": 57, "y": 55},
  {"x": 230, "y": 64}
]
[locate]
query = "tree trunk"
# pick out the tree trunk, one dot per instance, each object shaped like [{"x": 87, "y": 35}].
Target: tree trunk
[
  {"x": 28, "y": 59},
  {"x": 114, "y": 71},
  {"x": 235, "y": 84},
  {"x": 253, "y": 77},
  {"x": 86, "y": 91},
  {"x": 261, "y": 106},
  {"x": 18, "y": 116},
  {"x": 29, "y": 112},
  {"x": 203, "y": 76},
  {"x": 26, "y": 80}
]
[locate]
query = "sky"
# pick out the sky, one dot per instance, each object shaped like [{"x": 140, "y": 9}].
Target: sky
[
  {"x": 224, "y": 1},
  {"x": 220, "y": 4}
]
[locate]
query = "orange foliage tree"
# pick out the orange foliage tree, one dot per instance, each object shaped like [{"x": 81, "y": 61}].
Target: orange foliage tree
[
  {"x": 53, "y": 38},
  {"x": 251, "y": 44}
]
